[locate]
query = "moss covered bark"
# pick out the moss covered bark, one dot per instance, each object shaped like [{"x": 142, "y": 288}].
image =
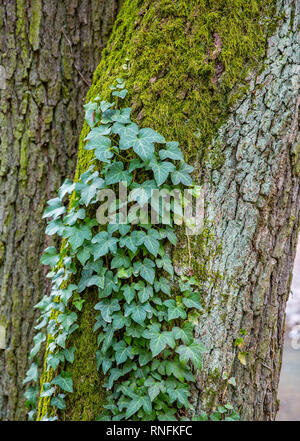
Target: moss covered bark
[
  {"x": 186, "y": 64},
  {"x": 48, "y": 52}
]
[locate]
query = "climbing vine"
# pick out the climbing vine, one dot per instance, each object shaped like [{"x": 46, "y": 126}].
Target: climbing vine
[{"x": 145, "y": 329}]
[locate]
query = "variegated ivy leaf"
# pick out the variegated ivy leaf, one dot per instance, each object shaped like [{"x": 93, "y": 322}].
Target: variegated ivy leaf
[
  {"x": 50, "y": 257},
  {"x": 161, "y": 170},
  {"x": 171, "y": 152},
  {"x": 182, "y": 174}
]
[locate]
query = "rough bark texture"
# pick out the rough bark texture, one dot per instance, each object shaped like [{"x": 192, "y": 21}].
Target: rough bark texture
[
  {"x": 187, "y": 64},
  {"x": 254, "y": 201},
  {"x": 49, "y": 50}
]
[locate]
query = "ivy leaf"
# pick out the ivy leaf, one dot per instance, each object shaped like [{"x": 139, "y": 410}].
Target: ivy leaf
[
  {"x": 129, "y": 293},
  {"x": 89, "y": 190},
  {"x": 32, "y": 374},
  {"x": 158, "y": 340},
  {"x": 144, "y": 357},
  {"x": 107, "y": 307},
  {"x": 105, "y": 243},
  {"x": 185, "y": 333},
  {"x": 122, "y": 116},
  {"x": 130, "y": 241},
  {"x": 166, "y": 264},
  {"x": 134, "y": 406},
  {"x": 92, "y": 115},
  {"x": 163, "y": 285},
  {"x": 154, "y": 391},
  {"x": 116, "y": 173},
  {"x": 120, "y": 260},
  {"x": 69, "y": 354},
  {"x": 58, "y": 402},
  {"x": 38, "y": 340},
  {"x": 161, "y": 170},
  {"x": 121, "y": 93},
  {"x": 145, "y": 293},
  {"x": 72, "y": 217},
  {"x": 66, "y": 294},
  {"x": 123, "y": 352},
  {"x": 48, "y": 391},
  {"x": 143, "y": 145},
  {"x": 180, "y": 395},
  {"x": 151, "y": 241},
  {"x": 64, "y": 381},
  {"x": 67, "y": 319},
  {"x": 127, "y": 133},
  {"x": 55, "y": 227},
  {"x": 101, "y": 146},
  {"x": 182, "y": 174},
  {"x": 192, "y": 301},
  {"x": 77, "y": 234},
  {"x": 139, "y": 314},
  {"x": 31, "y": 395},
  {"x": 53, "y": 360},
  {"x": 119, "y": 321},
  {"x": 169, "y": 233},
  {"x": 67, "y": 188},
  {"x": 50, "y": 257},
  {"x": 172, "y": 152},
  {"x": 105, "y": 105},
  {"x": 192, "y": 352},
  {"x": 145, "y": 270},
  {"x": 96, "y": 131},
  {"x": 55, "y": 209},
  {"x": 174, "y": 310},
  {"x": 111, "y": 284}
]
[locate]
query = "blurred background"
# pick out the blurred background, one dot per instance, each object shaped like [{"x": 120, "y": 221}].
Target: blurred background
[{"x": 289, "y": 386}]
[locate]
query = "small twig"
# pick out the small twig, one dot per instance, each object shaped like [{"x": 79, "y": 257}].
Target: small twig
[{"x": 75, "y": 65}]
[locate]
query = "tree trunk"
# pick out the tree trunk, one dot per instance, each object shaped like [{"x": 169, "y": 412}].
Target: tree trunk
[
  {"x": 49, "y": 51},
  {"x": 200, "y": 73}
]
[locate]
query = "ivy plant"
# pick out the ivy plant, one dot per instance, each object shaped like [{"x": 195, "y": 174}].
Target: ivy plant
[{"x": 145, "y": 329}]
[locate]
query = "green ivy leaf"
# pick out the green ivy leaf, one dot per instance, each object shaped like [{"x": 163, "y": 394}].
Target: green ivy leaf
[
  {"x": 123, "y": 352},
  {"x": 182, "y": 175},
  {"x": 67, "y": 188},
  {"x": 174, "y": 310},
  {"x": 50, "y": 257},
  {"x": 105, "y": 243},
  {"x": 64, "y": 381},
  {"x": 161, "y": 170},
  {"x": 145, "y": 270},
  {"x": 143, "y": 145},
  {"x": 172, "y": 152},
  {"x": 192, "y": 352},
  {"x": 77, "y": 234},
  {"x": 116, "y": 174},
  {"x": 107, "y": 307},
  {"x": 55, "y": 209},
  {"x": 58, "y": 402}
]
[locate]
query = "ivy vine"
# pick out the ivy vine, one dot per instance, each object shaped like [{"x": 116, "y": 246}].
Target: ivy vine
[{"x": 145, "y": 332}]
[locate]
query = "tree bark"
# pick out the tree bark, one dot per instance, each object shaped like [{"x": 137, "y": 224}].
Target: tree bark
[
  {"x": 254, "y": 201},
  {"x": 200, "y": 73},
  {"x": 49, "y": 51}
]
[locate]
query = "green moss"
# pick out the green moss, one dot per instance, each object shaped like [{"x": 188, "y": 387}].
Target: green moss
[
  {"x": 35, "y": 23},
  {"x": 86, "y": 401},
  {"x": 185, "y": 64},
  {"x": 173, "y": 65},
  {"x": 2, "y": 251}
]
